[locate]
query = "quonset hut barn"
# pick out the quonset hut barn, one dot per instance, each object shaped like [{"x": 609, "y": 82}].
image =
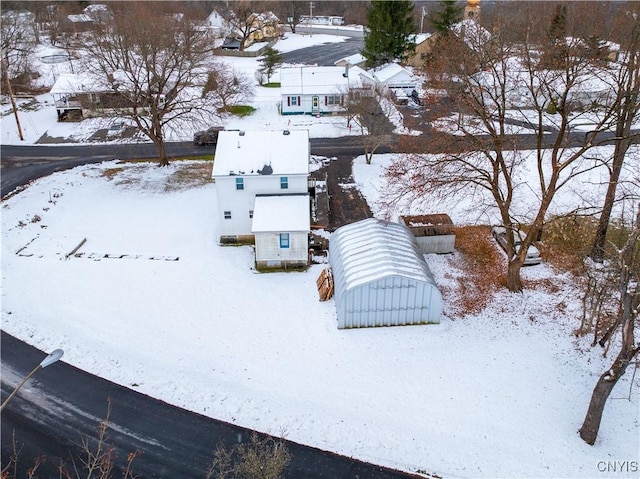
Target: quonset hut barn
[{"x": 381, "y": 277}]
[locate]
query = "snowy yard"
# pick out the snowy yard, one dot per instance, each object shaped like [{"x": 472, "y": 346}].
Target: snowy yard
[{"x": 499, "y": 394}]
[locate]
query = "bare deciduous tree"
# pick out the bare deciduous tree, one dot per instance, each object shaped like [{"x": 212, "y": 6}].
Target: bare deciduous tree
[
  {"x": 625, "y": 79},
  {"x": 249, "y": 18},
  {"x": 624, "y": 307},
  {"x": 97, "y": 456},
  {"x": 226, "y": 87},
  {"x": 369, "y": 110},
  {"x": 495, "y": 84},
  {"x": 95, "y": 459},
  {"x": 153, "y": 60},
  {"x": 290, "y": 11},
  {"x": 15, "y": 45}
]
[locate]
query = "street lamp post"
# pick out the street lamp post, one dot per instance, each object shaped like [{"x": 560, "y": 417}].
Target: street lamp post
[{"x": 50, "y": 359}]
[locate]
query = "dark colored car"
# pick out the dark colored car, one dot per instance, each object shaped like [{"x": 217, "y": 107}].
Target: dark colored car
[{"x": 207, "y": 137}]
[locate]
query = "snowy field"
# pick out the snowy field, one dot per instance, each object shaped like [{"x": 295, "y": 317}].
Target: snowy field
[{"x": 501, "y": 394}]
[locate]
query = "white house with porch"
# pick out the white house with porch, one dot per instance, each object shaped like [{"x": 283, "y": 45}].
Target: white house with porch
[
  {"x": 263, "y": 193},
  {"x": 318, "y": 90}
]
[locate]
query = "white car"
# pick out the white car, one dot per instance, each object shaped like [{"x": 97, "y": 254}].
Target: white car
[{"x": 533, "y": 255}]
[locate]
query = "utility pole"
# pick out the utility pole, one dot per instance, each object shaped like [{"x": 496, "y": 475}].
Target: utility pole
[
  {"x": 422, "y": 19},
  {"x": 5, "y": 71},
  {"x": 310, "y": 19}
]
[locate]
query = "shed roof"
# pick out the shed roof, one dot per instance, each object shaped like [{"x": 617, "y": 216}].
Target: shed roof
[
  {"x": 373, "y": 249},
  {"x": 429, "y": 225},
  {"x": 281, "y": 213},
  {"x": 262, "y": 152}
]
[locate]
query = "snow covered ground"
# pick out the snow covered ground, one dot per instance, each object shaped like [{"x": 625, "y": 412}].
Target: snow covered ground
[{"x": 499, "y": 394}]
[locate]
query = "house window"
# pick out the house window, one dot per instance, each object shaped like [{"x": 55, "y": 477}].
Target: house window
[
  {"x": 250, "y": 213},
  {"x": 284, "y": 183},
  {"x": 239, "y": 183},
  {"x": 227, "y": 215},
  {"x": 333, "y": 100},
  {"x": 293, "y": 100},
  {"x": 284, "y": 240}
]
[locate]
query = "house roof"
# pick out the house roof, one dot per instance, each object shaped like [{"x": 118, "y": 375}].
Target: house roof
[
  {"x": 356, "y": 59},
  {"x": 418, "y": 38},
  {"x": 80, "y": 18},
  {"x": 281, "y": 213},
  {"x": 309, "y": 80},
  {"x": 392, "y": 73},
  {"x": 262, "y": 152},
  {"x": 473, "y": 33},
  {"x": 70, "y": 83}
]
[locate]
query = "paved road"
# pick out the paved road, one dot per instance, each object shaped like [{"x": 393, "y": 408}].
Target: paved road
[
  {"x": 22, "y": 164},
  {"x": 324, "y": 55},
  {"x": 61, "y": 404}
]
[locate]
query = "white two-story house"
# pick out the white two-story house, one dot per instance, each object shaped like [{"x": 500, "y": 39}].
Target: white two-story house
[{"x": 263, "y": 194}]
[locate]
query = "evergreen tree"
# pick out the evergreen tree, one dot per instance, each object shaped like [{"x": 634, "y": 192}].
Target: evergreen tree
[
  {"x": 558, "y": 28},
  {"x": 271, "y": 59},
  {"x": 390, "y": 31},
  {"x": 448, "y": 15}
]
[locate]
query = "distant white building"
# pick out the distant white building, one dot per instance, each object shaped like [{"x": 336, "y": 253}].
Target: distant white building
[
  {"x": 263, "y": 194},
  {"x": 321, "y": 20}
]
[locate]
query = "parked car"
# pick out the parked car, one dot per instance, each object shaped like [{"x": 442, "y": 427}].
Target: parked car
[
  {"x": 116, "y": 128},
  {"x": 207, "y": 137},
  {"x": 500, "y": 235}
]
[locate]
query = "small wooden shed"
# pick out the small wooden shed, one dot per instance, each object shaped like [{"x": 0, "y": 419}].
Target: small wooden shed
[
  {"x": 380, "y": 277},
  {"x": 434, "y": 233}
]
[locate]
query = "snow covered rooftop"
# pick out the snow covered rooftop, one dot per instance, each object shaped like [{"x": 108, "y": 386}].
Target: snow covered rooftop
[
  {"x": 474, "y": 34},
  {"x": 391, "y": 71},
  {"x": 352, "y": 60},
  {"x": 71, "y": 83},
  {"x": 421, "y": 37},
  {"x": 249, "y": 152},
  {"x": 307, "y": 80},
  {"x": 275, "y": 213},
  {"x": 80, "y": 18}
]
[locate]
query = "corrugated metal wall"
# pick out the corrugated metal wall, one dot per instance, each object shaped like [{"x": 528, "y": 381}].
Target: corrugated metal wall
[{"x": 381, "y": 278}]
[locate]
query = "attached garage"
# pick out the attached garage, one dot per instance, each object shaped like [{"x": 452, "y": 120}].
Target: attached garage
[{"x": 380, "y": 277}]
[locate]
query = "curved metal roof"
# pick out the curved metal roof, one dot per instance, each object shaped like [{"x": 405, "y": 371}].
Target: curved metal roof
[{"x": 373, "y": 249}]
